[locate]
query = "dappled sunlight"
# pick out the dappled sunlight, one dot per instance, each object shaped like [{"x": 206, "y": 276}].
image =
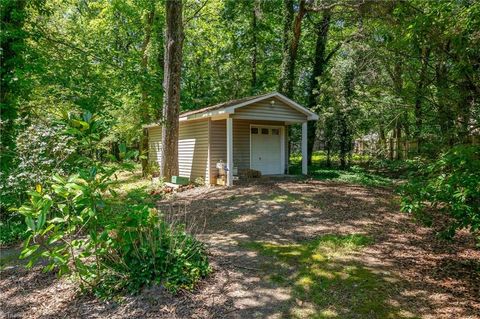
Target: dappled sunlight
[
  {"x": 278, "y": 218},
  {"x": 303, "y": 249},
  {"x": 330, "y": 286}
]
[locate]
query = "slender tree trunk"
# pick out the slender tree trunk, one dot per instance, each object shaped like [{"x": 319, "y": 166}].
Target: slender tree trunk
[
  {"x": 144, "y": 65},
  {"x": 255, "y": 13},
  {"x": 318, "y": 69},
  {"x": 398, "y": 137},
  {"x": 292, "y": 26},
  {"x": 144, "y": 105},
  {"x": 398, "y": 87},
  {"x": 382, "y": 139},
  {"x": 465, "y": 107},
  {"x": 329, "y": 160},
  {"x": 171, "y": 88},
  {"x": 292, "y": 29},
  {"x": 344, "y": 123},
  {"x": 445, "y": 116},
  {"x": 420, "y": 92}
]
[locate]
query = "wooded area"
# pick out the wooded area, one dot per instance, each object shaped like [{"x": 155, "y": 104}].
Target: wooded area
[
  {"x": 395, "y": 83},
  {"x": 365, "y": 66}
]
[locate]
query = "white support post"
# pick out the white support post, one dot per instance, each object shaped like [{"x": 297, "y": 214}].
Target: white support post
[
  {"x": 304, "y": 148},
  {"x": 229, "y": 151}
]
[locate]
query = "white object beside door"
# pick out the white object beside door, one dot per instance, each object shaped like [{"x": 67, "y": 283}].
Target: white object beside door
[{"x": 266, "y": 149}]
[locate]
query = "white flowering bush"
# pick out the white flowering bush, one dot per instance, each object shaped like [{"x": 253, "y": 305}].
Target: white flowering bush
[{"x": 42, "y": 149}]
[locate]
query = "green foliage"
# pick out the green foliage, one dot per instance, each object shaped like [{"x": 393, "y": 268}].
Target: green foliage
[
  {"x": 12, "y": 76},
  {"x": 108, "y": 251},
  {"x": 144, "y": 249},
  {"x": 95, "y": 68},
  {"x": 450, "y": 184},
  {"x": 12, "y": 230},
  {"x": 355, "y": 174},
  {"x": 41, "y": 151}
]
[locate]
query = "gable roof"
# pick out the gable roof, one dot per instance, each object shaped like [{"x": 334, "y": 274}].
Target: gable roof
[
  {"x": 230, "y": 106},
  {"x": 222, "y": 105}
]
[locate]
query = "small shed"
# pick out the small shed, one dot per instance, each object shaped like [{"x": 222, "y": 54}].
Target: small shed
[{"x": 249, "y": 133}]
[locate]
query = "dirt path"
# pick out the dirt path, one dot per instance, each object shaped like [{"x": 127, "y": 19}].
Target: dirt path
[{"x": 415, "y": 275}]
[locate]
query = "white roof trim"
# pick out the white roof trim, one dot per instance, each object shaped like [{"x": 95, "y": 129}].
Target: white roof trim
[
  {"x": 203, "y": 115},
  {"x": 310, "y": 115},
  {"x": 150, "y": 125},
  {"x": 225, "y": 111}
]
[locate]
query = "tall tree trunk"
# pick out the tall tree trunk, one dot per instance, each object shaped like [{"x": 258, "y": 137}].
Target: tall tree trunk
[
  {"x": 382, "y": 139},
  {"x": 144, "y": 105},
  {"x": 398, "y": 87},
  {"x": 343, "y": 118},
  {"x": 465, "y": 107},
  {"x": 292, "y": 26},
  {"x": 255, "y": 13},
  {"x": 318, "y": 69},
  {"x": 144, "y": 111},
  {"x": 420, "y": 92},
  {"x": 445, "y": 116},
  {"x": 292, "y": 30},
  {"x": 171, "y": 88}
]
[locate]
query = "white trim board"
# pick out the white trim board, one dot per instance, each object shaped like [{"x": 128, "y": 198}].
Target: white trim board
[{"x": 223, "y": 112}]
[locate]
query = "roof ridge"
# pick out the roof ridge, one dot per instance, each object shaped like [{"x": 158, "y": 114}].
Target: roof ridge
[{"x": 224, "y": 104}]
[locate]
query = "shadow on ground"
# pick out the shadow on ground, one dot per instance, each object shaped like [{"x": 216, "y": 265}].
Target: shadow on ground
[{"x": 265, "y": 241}]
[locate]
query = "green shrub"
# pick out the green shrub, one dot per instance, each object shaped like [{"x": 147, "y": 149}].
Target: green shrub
[
  {"x": 143, "y": 248},
  {"x": 41, "y": 150},
  {"x": 450, "y": 184},
  {"x": 108, "y": 252},
  {"x": 12, "y": 230}
]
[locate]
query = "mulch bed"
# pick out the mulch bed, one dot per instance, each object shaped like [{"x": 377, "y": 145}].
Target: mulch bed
[{"x": 434, "y": 279}]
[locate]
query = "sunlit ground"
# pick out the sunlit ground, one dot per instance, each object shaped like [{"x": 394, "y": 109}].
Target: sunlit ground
[
  {"x": 325, "y": 281},
  {"x": 355, "y": 174}
]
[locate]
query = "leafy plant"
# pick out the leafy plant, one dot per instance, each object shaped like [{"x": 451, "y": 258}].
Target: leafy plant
[
  {"x": 451, "y": 185},
  {"x": 42, "y": 150},
  {"x": 144, "y": 249},
  {"x": 77, "y": 232}
]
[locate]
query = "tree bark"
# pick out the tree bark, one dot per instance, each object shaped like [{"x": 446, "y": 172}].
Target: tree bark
[
  {"x": 292, "y": 29},
  {"x": 445, "y": 116},
  {"x": 318, "y": 69},
  {"x": 292, "y": 26},
  {"x": 398, "y": 87},
  {"x": 255, "y": 13},
  {"x": 171, "y": 88},
  {"x": 419, "y": 94},
  {"x": 144, "y": 105}
]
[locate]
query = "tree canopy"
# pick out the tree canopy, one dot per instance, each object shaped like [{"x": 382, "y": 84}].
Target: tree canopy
[{"x": 90, "y": 73}]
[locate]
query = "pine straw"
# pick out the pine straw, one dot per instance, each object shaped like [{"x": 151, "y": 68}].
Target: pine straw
[{"x": 426, "y": 277}]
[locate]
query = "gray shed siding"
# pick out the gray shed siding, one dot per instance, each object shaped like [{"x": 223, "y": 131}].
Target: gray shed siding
[
  {"x": 154, "y": 144},
  {"x": 264, "y": 110},
  {"x": 203, "y": 142},
  {"x": 218, "y": 146},
  {"x": 192, "y": 148}
]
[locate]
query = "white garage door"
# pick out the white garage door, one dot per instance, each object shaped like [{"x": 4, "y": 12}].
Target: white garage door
[{"x": 266, "y": 149}]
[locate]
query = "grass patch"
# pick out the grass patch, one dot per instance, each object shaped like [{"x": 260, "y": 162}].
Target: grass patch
[
  {"x": 324, "y": 282},
  {"x": 354, "y": 175},
  {"x": 132, "y": 189},
  {"x": 284, "y": 198}
]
